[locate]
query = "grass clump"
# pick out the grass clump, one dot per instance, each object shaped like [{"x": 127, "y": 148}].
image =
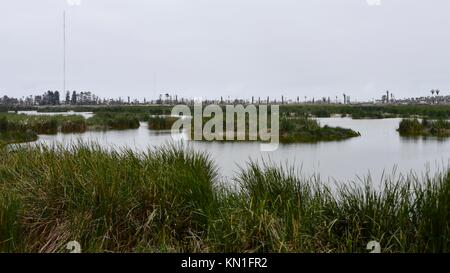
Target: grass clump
[
  {"x": 291, "y": 130},
  {"x": 74, "y": 124},
  {"x": 278, "y": 211},
  {"x": 17, "y": 137},
  {"x": 19, "y": 128},
  {"x": 414, "y": 127},
  {"x": 295, "y": 130},
  {"x": 16, "y": 128},
  {"x": 161, "y": 123},
  {"x": 122, "y": 202},
  {"x": 113, "y": 121}
]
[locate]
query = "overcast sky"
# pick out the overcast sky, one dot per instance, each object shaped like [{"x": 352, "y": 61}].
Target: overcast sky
[{"x": 209, "y": 48}]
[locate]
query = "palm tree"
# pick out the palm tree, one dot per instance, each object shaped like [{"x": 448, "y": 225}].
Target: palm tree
[
  {"x": 167, "y": 97},
  {"x": 437, "y": 92},
  {"x": 432, "y": 92}
]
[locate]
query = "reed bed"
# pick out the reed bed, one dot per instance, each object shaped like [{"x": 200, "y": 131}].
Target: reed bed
[
  {"x": 161, "y": 123},
  {"x": 368, "y": 111},
  {"x": 295, "y": 130},
  {"x": 171, "y": 199},
  {"x": 414, "y": 127},
  {"x": 17, "y": 137},
  {"x": 16, "y": 128},
  {"x": 113, "y": 121},
  {"x": 292, "y": 130}
]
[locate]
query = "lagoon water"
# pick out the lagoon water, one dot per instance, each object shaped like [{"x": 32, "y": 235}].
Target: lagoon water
[{"x": 379, "y": 151}]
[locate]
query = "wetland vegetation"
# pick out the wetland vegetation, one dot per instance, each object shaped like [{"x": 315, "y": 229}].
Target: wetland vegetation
[
  {"x": 414, "y": 127},
  {"x": 299, "y": 110},
  {"x": 293, "y": 130},
  {"x": 20, "y": 128},
  {"x": 368, "y": 111},
  {"x": 16, "y": 128},
  {"x": 113, "y": 121},
  {"x": 161, "y": 122},
  {"x": 297, "y": 130},
  {"x": 172, "y": 200}
]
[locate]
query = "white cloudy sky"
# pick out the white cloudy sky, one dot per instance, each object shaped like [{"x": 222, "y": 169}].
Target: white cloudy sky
[{"x": 232, "y": 48}]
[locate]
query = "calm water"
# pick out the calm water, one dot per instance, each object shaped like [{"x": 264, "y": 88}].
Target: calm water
[
  {"x": 379, "y": 150},
  {"x": 69, "y": 113}
]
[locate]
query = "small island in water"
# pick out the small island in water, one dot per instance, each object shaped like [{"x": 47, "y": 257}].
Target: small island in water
[
  {"x": 414, "y": 127},
  {"x": 298, "y": 130},
  {"x": 22, "y": 128},
  {"x": 306, "y": 130}
]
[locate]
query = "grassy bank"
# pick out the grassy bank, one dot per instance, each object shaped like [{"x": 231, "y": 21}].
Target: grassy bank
[
  {"x": 414, "y": 127},
  {"x": 11, "y": 137},
  {"x": 171, "y": 200}
]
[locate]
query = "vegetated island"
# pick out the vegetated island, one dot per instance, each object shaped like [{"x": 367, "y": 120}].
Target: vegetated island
[
  {"x": 113, "y": 121},
  {"x": 21, "y": 128},
  {"x": 296, "y": 130},
  {"x": 414, "y": 127},
  {"x": 161, "y": 122}
]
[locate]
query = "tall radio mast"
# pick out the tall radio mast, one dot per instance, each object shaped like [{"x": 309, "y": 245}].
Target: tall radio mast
[{"x": 64, "y": 61}]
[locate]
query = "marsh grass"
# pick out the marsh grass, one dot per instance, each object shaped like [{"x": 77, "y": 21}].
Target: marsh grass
[
  {"x": 414, "y": 127},
  {"x": 13, "y": 137},
  {"x": 16, "y": 128},
  {"x": 109, "y": 201},
  {"x": 292, "y": 130},
  {"x": 297, "y": 110},
  {"x": 161, "y": 122},
  {"x": 171, "y": 199},
  {"x": 113, "y": 121},
  {"x": 19, "y": 128},
  {"x": 368, "y": 111}
]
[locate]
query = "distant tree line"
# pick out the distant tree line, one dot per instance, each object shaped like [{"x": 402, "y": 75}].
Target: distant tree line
[{"x": 49, "y": 98}]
